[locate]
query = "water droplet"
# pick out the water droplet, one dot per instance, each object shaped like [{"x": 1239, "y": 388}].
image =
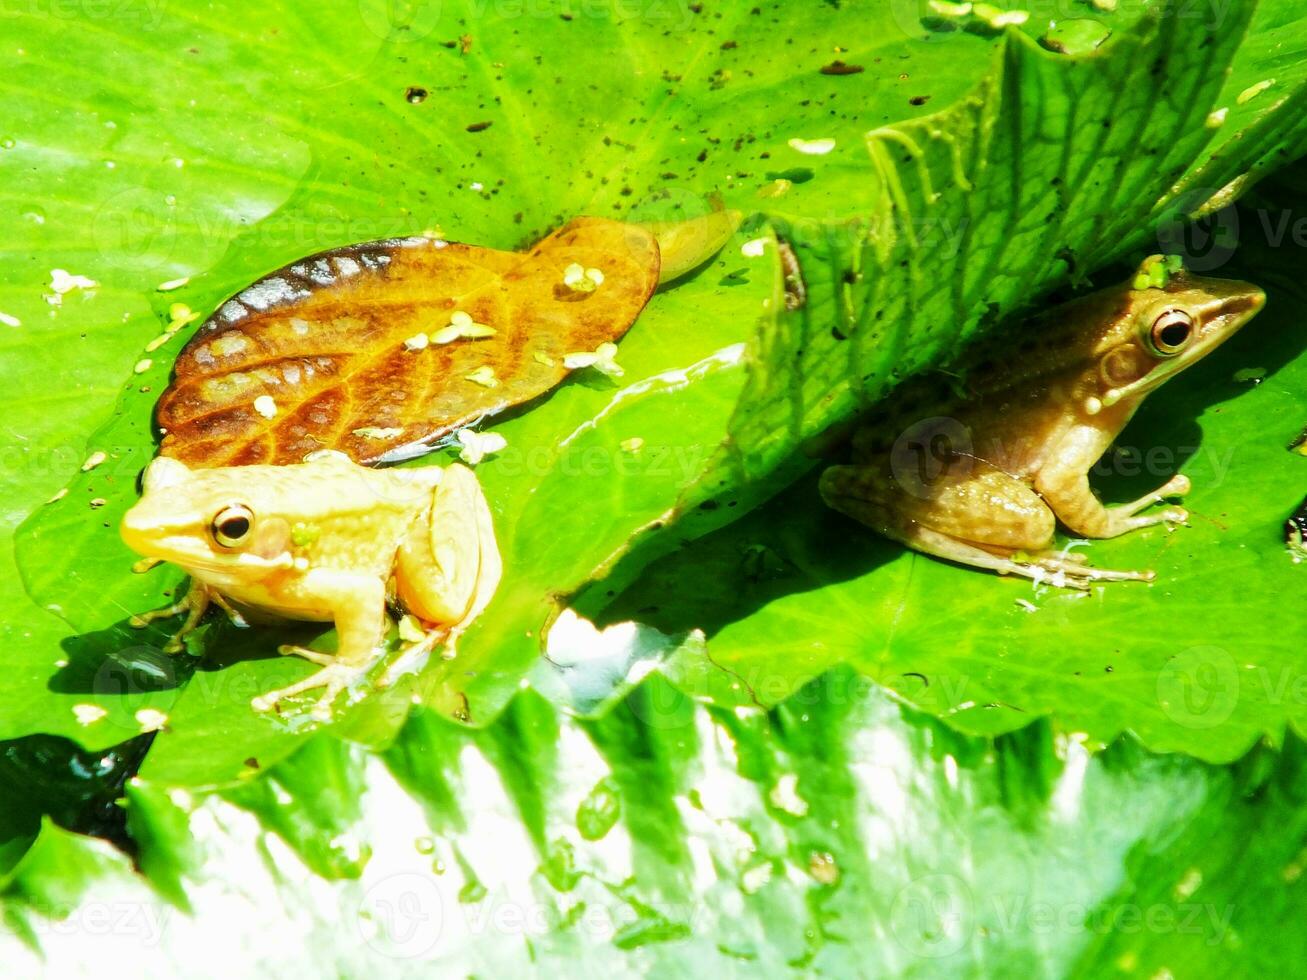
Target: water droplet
[
  {"x": 599, "y": 811},
  {"x": 424, "y": 845},
  {"x": 7, "y": 143},
  {"x": 415, "y": 94}
]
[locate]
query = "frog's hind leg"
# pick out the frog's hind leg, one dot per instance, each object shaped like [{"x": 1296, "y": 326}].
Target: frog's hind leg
[
  {"x": 447, "y": 569},
  {"x": 983, "y": 518}
]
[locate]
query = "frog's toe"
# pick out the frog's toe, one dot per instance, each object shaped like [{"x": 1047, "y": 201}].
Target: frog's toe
[
  {"x": 1070, "y": 571},
  {"x": 312, "y": 656},
  {"x": 1178, "y": 486},
  {"x": 333, "y": 678}
]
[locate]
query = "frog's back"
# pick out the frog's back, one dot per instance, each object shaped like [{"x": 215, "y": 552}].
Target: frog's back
[{"x": 996, "y": 378}]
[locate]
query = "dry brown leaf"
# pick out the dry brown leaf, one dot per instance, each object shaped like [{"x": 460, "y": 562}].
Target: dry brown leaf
[{"x": 314, "y": 356}]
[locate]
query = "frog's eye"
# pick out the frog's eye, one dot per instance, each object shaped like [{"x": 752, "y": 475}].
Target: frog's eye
[
  {"x": 232, "y": 525},
  {"x": 1171, "y": 331}
]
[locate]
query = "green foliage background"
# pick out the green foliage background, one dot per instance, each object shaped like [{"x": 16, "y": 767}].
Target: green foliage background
[{"x": 975, "y": 792}]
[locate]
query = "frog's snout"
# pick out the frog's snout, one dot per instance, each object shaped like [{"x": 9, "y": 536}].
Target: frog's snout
[{"x": 134, "y": 529}]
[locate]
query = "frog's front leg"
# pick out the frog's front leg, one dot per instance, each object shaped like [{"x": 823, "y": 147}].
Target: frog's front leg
[
  {"x": 448, "y": 565},
  {"x": 1064, "y": 484},
  {"x": 358, "y": 604},
  {"x": 195, "y": 604}
]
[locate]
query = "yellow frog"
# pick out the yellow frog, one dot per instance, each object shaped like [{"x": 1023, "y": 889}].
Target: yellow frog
[
  {"x": 325, "y": 540},
  {"x": 977, "y": 472}
]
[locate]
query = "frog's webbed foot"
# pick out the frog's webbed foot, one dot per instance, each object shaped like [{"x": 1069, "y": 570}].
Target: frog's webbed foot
[
  {"x": 195, "y": 603},
  {"x": 333, "y": 678}
]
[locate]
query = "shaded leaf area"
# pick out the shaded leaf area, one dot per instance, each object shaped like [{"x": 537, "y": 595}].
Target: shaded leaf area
[
  {"x": 379, "y": 349},
  {"x": 836, "y": 835},
  {"x": 79, "y": 791},
  {"x": 1207, "y": 660},
  {"x": 1049, "y": 169}
]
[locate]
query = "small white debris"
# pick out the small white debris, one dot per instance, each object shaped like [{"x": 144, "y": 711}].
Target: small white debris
[
  {"x": 755, "y": 877},
  {"x": 632, "y": 445},
  {"x": 1216, "y": 118},
  {"x": 59, "y": 495},
  {"x": 418, "y": 341},
  {"x": 785, "y": 796},
  {"x": 376, "y": 432},
  {"x": 88, "y": 714},
  {"x": 816, "y": 148},
  {"x": 582, "y": 280},
  {"x": 97, "y": 502},
  {"x": 150, "y": 720},
  {"x": 143, "y": 365},
  {"x": 62, "y": 281},
  {"x": 1252, "y": 91},
  {"x": 477, "y": 446},
  {"x": 484, "y": 376},
  {"x": 996, "y": 19},
  {"x": 265, "y": 406},
  {"x": 10, "y": 321},
  {"x": 229, "y": 344},
  {"x": 461, "y": 327},
  {"x": 179, "y": 314},
  {"x": 1188, "y": 884},
  {"x": 301, "y": 327},
  {"x": 1027, "y": 605},
  {"x": 94, "y": 460},
  {"x": 602, "y": 359},
  {"x": 172, "y": 284},
  {"x": 753, "y": 249}
]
